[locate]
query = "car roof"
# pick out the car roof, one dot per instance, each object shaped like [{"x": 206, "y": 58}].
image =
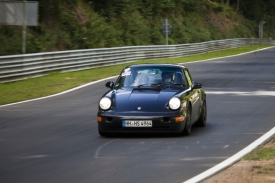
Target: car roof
[{"x": 161, "y": 65}]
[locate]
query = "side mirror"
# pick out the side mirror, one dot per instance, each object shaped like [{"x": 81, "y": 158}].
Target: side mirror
[
  {"x": 110, "y": 84},
  {"x": 196, "y": 85}
]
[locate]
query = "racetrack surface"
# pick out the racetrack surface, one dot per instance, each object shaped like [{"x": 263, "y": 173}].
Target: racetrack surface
[{"x": 56, "y": 139}]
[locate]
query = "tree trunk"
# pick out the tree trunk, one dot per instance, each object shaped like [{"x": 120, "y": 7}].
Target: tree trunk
[
  {"x": 227, "y": 2},
  {"x": 238, "y": 3}
]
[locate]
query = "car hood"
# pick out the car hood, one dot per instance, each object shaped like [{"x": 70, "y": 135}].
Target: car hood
[{"x": 135, "y": 100}]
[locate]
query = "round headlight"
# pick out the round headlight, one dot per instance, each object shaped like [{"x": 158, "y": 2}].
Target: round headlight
[
  {"x": 105, "y": 103},
  {"x": 174, "y": 103}
]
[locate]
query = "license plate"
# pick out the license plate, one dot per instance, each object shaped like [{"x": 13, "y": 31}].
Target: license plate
[{"x": 137, "y": 123}]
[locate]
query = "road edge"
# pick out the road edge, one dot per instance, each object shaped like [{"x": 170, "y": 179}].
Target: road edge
[
  {"x": 233, "y": 159},
  {"x": 61, "y": 93},
  {"x": 227, "y": 56}
]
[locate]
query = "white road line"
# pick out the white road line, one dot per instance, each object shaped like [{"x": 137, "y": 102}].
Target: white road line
[
  {"x": 230, "y": 161},
  {"x": 61, "y": 93},
  {"x": 226, "y": 146},
  {"x": 33, "y": 156},
  {"x": 100, "y": 147},
  {"x": 253, "y": 93},
  {"x": 227, "y": 56}
]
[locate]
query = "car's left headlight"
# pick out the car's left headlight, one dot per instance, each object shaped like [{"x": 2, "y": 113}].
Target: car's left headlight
[
  {"x": 174, "y": 103},
  {"x": 105, "y": 103}
]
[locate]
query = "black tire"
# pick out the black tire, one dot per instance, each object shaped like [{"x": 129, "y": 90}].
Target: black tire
[
  {"x": 187, "y": 129},
  {"x": 202, "y": 120}
]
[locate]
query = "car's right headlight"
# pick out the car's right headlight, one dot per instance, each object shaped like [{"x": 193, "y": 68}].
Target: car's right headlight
[
  {"x": 105, "y": 103},
  {"x": 174, "y": 103}
]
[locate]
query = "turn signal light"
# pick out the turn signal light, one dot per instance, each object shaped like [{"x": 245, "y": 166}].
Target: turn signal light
[
  {"x": 179, "y": 119},
  {"x": 99, "y": 119}
]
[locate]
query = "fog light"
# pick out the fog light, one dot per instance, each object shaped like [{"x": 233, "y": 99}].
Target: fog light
[
  {"x": 99, "y": 119},
  {"x": 179, "y": 119}
]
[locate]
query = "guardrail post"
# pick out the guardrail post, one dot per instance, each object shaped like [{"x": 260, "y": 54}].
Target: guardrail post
[{"x": 261, "y": 25}]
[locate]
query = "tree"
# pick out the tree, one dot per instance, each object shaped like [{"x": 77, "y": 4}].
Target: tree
[
  {"x": 227, "y": 2},
  {"x": 238, "y": 3}
]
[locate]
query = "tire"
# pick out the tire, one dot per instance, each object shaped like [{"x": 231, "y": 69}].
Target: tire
[
  {"x": 202, "y": 120},
  {"x": 187, "y": 129}
]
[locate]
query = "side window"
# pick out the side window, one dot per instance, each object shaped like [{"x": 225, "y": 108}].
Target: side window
[{"x": 188, "y": 77}]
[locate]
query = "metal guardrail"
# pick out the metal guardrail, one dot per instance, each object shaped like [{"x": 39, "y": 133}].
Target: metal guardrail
[{"x": 19, "y": 67}]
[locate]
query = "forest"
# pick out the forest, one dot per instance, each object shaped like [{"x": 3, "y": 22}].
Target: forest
[{"x": 86, "y": 24}]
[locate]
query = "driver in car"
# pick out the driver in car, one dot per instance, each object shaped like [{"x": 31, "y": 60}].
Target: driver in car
[{"x": 167, "y": 77}]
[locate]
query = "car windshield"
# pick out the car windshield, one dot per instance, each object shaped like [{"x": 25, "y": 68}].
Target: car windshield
[{"x": 151, "y": 76}]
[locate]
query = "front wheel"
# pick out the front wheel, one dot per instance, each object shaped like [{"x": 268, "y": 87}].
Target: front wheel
[
  {"x": 202, "y": 120},
  {"x": 187, "y": 129}
]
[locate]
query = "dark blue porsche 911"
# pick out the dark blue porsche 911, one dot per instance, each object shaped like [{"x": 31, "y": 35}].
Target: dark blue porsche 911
[{"x": 152, "y": 98}]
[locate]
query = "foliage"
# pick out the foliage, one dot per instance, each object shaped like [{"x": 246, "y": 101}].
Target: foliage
[{"x": 84, "y": 24}]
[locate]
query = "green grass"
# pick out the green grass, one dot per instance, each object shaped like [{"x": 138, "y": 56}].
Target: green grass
[
  {"x": 58, "y": 82},
  {"x": 268, "y": 169},
  {"x": 261, "y": 154},
  {"x": 256, "y": 167},
  {"x": 262, "y": 170}
]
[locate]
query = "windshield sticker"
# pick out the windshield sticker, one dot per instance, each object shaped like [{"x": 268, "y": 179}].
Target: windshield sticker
[{"x": 126, "y": 73}]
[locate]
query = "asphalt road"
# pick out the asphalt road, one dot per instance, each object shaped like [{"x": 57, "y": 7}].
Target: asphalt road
[{"x": 56, "y": 139}]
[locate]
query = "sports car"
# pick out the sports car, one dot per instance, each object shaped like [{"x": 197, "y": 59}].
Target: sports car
[{"x": 152, "y": 98}]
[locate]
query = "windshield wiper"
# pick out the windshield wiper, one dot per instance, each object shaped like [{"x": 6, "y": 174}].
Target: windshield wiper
[
  {"x": 147, "y": 87},
  {"x": 163, "y": 84},
  {"x": 179, "y": 85},
  {"x": 159, "y": 84},
  {"x": 142, "y": 85},
  {"x": 166, "y": 84}
]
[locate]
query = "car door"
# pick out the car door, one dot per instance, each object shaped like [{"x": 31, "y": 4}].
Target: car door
[{"x": 194, "y": 97}]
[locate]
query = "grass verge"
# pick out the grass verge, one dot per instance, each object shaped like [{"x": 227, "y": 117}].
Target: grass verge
[
  {"x": 263, "y": 153},
  {"x": 58, "y": 82}
]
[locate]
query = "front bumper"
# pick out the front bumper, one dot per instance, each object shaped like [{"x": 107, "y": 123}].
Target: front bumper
[{"x": 161, "y": 124}]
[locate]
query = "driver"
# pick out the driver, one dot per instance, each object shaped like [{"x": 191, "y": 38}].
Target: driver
[{"x": 167, "y": 77}]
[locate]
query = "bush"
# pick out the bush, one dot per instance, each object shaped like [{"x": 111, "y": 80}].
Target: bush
[{"x": 84, "y": 24}]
